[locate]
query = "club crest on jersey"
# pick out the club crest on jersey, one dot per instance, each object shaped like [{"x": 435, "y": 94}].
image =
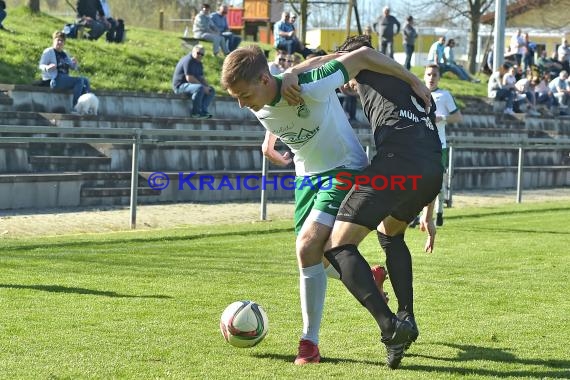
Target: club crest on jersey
[{"x": 303, "y": 111}]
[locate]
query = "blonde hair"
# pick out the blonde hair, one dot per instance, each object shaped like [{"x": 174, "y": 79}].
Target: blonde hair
[{"x": 246, "y": 64}]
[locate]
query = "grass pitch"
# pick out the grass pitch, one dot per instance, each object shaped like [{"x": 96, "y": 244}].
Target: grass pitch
[{"x": 491, "y": 302}]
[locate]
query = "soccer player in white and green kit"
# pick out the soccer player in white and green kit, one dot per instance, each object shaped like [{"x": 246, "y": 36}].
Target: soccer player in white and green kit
[{"x": 323, "y": 143}]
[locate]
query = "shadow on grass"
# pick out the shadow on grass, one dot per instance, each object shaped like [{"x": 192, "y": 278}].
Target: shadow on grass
[
  {"x": 149, "y": 239},
  {"x": 485, "y": 214},
  {"x": 477, "y": 353},
  {"x": 65, "y": 289},
  {"x": 510, "y": 230},
  {"x": 328, "y": 359}
]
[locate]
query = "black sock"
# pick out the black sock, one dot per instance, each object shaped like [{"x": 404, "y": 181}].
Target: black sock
[
  {"x": 355, "y": 274},
  {"x": 399, "y": 264}
]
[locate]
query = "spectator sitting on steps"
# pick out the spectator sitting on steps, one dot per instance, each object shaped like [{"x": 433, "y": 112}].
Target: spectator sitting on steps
[
  {"x": 189, "y": 79},
  {"x": 55, "y": 65},
  {"x": 496, "y": 90}
]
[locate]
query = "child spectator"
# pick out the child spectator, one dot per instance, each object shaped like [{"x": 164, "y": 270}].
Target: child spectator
[{"x": 55, "y": 65}]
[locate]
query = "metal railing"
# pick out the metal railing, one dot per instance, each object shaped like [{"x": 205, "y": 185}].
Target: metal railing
[
  {"x": 138, "y": 137},
  {"x": 519, "y": 143}
]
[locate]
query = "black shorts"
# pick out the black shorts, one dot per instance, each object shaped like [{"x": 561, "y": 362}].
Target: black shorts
[{"x": 401, "y": 185}]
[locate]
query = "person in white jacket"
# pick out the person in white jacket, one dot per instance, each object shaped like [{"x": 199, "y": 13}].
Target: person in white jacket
[{"x": 55, "y": 64}]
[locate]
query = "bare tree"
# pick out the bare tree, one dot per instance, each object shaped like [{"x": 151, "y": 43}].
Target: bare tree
[
  {"x": 301, "y": 8},
  {"x": 34, "y": 6},
  {"x": 452, "y": 12}
]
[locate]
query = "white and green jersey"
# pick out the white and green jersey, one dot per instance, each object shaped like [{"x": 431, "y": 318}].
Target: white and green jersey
[
  {"x": 318, "y": 131},
  {"x": 444, "y": 106}
]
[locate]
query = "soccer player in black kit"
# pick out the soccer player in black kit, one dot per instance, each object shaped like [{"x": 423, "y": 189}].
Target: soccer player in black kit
[{"x": 407, "y": 144}]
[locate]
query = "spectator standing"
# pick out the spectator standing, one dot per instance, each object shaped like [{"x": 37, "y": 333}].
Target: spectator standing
[
  {"x": 3, "y": 14},
  {"x": 55, "y": 64},
  {"x": 517, "y": 46},
  {"x": 564, "y": 54},
  {"x": 529, "y": 50},
  {"x": 220, "y": 20},
  {"x": 385, "y": 26},
  {"x": 91, "y": 15},
  {"x": 204, "y": 29},
  {"x": 189, "y": 79},
  {"x": 409, "y": 35}
]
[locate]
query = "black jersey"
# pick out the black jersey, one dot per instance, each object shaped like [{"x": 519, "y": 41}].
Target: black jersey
[{"x": 397, "y": 116}]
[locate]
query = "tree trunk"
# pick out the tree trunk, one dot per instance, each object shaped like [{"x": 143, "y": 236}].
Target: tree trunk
[
  {"x": 473, "y": 38},
  {"x": 34, "y": 6}
]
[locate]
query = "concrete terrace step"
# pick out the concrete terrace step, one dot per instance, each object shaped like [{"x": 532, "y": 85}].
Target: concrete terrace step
[
  {"x": 119, "y": 103},
  {"x": 69, "y": 163},
  {"x": 144, "y": 122},
  {"x": 116, "y": 191}
]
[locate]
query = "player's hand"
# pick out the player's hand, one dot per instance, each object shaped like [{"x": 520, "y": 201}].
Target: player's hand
[
  {"x": 423, "y": 93},
  {"x": 429, "y": 227},
  {"x": 286, "y": 158},
  {"x": 290, "y": 89}
]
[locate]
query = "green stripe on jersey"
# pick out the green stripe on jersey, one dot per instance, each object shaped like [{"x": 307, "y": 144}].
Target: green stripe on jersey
[{"x": 327, "y": 69}]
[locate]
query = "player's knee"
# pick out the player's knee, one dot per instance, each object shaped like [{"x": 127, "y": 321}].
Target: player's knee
[
  {"x": 387, "y": 240},
  {"x": 309, "y": 250}
]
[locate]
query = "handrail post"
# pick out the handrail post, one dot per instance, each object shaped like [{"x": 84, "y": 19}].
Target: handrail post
[
  {"x": 520, "y": 175},
  {"x": 135, "y": 178},
  {"x": 263, "y": 206},
  {"x": 450, "y": 176}
]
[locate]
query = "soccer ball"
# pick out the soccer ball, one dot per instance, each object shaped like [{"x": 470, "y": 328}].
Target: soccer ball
[{"x": 244, "y": 324}]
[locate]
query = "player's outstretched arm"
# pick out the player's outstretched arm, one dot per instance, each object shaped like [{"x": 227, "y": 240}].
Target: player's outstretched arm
[
  {"x": 427, "y": 225},
  {"x": 366, "y": 58},
  {"x": 268, "y": 150}
]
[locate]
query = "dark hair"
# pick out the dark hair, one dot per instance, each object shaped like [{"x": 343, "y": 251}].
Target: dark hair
[
  {"x": 206, "y": 6},
  {"x": 355, "y": 42},
  {"x": 410, "y": 18},
  {"x": 450, "y": 41}
]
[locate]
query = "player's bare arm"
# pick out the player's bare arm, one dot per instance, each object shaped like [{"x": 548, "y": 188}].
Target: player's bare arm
[
  {"x": 427, "y": 225},
  {"x": 354, "y": 62},
  {"x": 268, "y": 150},
  {"x": 369, "y": 59}
]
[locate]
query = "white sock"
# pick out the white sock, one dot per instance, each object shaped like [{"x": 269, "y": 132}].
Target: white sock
[
  {"x": 313, "y": 287},
  {"x": 331, "y": 272}
]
